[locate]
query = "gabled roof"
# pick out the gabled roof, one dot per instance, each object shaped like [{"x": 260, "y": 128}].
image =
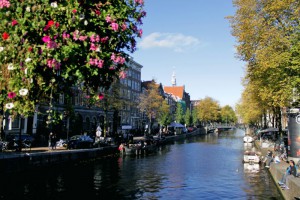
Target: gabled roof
[{"x": 175, "y": 90}]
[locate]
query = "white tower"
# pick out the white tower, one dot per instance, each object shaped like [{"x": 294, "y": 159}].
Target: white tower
[{"x": 173, "y": 79}]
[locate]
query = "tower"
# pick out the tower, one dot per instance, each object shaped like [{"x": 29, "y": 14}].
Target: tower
[{"x": 173, "y": 79}]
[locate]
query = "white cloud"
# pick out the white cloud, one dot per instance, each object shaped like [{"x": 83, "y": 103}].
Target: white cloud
[{"x": 175, "y": 41}]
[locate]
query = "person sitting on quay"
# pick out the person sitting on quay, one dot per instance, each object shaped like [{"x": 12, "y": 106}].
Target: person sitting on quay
[
  {"x": 269, "y": 158},
  {"x": 291, "y": 170}
]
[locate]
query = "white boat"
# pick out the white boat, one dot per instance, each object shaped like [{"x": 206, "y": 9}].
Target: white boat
[
  {"x": 251, "y": 168},
  {"x": 251, "y": 157},
  {"x": 248, "y": 139}
]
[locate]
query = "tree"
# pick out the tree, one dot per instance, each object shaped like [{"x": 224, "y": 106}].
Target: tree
[
  {"x": 228, "y": 115},
  {"x": 151, "y": 103},
  {"x": 51, "y": 47},
  {"x": 268, "y": 40},
  {"x": 164, "y": 116},
  {"x": 179, "y": 115},
  {"x": 195, "y": 117},
  {"x": 208, "y": 110},
  {"x": 111, "y": 101},
  {"x": 188, "y": 117}
]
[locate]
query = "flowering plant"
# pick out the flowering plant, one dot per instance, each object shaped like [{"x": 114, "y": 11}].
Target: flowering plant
[{"x": 55, "y": 45}]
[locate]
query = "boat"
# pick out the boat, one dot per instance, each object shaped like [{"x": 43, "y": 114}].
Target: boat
[
  {"x": 142, "y": 146},
  {"x": 251, "y": 168},
  {"x": 132, "y": 149},
  {"x": 251, "y": 157},
  {"x": 248, "y": 139}
]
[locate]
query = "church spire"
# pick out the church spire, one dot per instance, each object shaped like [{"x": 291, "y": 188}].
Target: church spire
[{"x": 173, "y": 79}]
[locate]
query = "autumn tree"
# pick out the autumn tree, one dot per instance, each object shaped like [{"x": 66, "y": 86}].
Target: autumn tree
[
  {"x": 267, "y": 33},
  {"x": 152, "y": 103},
  {"x": 208, "y": 110},
  {"x": 228, "y": 115}
]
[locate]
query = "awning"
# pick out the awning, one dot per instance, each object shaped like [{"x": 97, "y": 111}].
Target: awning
[{"x": 176, "y": 125}]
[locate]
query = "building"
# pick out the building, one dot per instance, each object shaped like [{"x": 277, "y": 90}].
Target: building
[
  {"x": 178, "y": 93},
  {"x": 130, "y": 92},
  {"x": 78, "y": 114}
]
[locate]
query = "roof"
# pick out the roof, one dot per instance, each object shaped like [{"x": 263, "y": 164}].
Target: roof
[{"x": 175, "y": 90}]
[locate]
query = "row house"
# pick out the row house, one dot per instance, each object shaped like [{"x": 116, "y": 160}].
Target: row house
[{"x": 84, "y": 117}]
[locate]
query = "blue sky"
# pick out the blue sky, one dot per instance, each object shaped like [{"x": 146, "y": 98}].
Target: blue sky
[{"x": 192, "y": 38}]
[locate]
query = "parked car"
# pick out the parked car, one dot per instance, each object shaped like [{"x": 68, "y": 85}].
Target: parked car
[
  {"x": 80, "y": 142},
  {"x": 13, "y": 141}
]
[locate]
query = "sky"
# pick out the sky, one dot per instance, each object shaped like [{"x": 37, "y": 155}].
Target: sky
[{"x": 193, "y": 39}]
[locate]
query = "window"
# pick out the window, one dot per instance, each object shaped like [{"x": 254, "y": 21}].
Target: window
[{"x": 61, "y": 99}]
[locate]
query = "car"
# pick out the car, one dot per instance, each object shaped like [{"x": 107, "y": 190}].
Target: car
[
  {"x": 80, "y": 142},
  {"x": 13, "y": 141}
]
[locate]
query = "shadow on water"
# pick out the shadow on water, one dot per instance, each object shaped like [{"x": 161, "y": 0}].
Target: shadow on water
[{"x": 202, "y": 167}]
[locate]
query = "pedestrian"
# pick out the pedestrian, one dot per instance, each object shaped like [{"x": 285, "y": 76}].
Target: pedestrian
[
  {"x": 49, "y": 140},
  {"x": 270, "y": 158},
  {"x": 53, "y": 140},
  {"x": 290, "y": 170}
]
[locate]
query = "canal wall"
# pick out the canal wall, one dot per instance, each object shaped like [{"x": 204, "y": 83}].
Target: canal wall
[
  {"x": 43, "y": 157},
  {"x": 277, "y": 170},
  {"x": 18, "y": 162}
]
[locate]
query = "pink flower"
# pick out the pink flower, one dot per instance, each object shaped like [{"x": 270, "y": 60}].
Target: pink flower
[
  {"x": 140, "y": 33},
  {"x": 114, "y": 26},
  {"x": 112, "y": 68},
  {"x": 113, "y": 57},
  {"x": 52, "y": 45},
  {"x": 101, "y": 96},
  {"x": 82, "y": 38},
  {"x": 65, "y": 35},
  {"x": 74, "y": 11},
  {"x": 108, "y": 19},
  {"x": 46, "y": 39},
  {"x": 124, "y": 26},
  {"x": 100, "y": 63},
  {"x": 4, "y": 3},
  {"x": 139, "y": 2},
  {"x": 75, "y": 34},
  {"x": 11, "y": 95},
  {"x": 92, "y": 61},
  {"x": 103, "y": 40},
  {"x": 92, "y": 38},
  {"x": 97, "y": 38},
  {"x": 14, "y": 22},
  {"x": 52, "y": 63},
  {"x": 93, "y": 47},
  {"x": 122, "y": 74}
]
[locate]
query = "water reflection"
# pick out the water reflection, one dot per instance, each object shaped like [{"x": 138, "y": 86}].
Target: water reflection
[{"x": 204, "y": 167}]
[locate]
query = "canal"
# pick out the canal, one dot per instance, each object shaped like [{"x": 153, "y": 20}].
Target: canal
[{"x": 202, "y": 167}]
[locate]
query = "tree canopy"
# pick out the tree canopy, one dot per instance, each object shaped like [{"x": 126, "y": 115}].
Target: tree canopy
[
  {"x": 52, "y": 46},
  {"x": 267, "y": 34},
  {"x": 208, "y": 110}
]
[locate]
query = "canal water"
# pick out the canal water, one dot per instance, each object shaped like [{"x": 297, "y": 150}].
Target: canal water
[{"x": 202, "y": 167}]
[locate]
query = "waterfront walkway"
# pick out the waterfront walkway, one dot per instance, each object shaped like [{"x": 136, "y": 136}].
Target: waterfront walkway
[{"x": 277, "y": 170}]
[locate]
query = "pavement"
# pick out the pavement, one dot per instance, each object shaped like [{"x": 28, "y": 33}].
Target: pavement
[
  {"x": 277, "y": 170},
  {"x": 13, "y": 153}
]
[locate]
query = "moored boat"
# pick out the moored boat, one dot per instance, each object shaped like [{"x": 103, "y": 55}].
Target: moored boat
[
  {"x": 248, "y": 139},
  {"x": 251, "y": 157}
]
